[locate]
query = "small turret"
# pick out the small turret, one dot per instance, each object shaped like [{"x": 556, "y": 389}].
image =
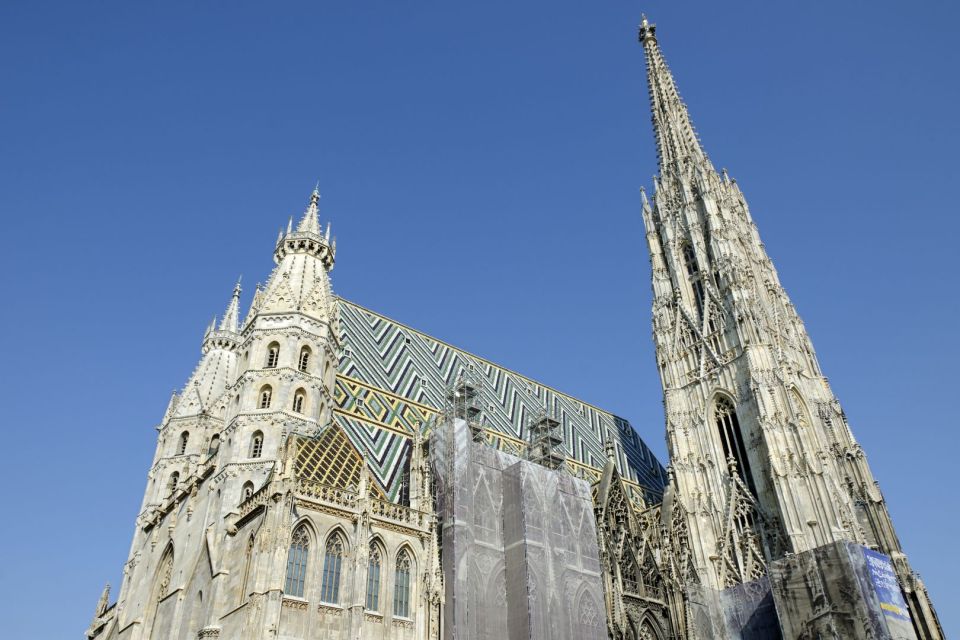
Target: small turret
[{"x": 308, "y": 237}]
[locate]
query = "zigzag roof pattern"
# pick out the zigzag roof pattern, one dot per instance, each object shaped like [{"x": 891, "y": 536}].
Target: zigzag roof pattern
[{"x": 393, "y": 378}]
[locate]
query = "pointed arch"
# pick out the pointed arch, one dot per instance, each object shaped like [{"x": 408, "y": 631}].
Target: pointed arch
[
  {"x": 333, "y": 553},
  {"x": 247, "y": 565},
  {"x": 799, "y": 406},
  {"x": 298, "y": 559},
  {"x": 247, "y": 491},
  {"x": 694, "y": 275},
  {"x": 164, "y": 576},
  {"x": 649, "y": 629},
  {"x": 375, "y": 559},
  {"x": 588, "y": 616},
  {"x": 731, "y": 438},
  {"x": 404, "y": 568}
]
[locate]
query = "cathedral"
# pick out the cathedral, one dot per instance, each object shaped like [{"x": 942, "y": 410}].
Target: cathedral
[{"x": 328, "y": 472}]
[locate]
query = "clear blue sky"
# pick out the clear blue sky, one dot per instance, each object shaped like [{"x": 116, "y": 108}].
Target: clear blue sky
[{"x": 480, "y": 163}]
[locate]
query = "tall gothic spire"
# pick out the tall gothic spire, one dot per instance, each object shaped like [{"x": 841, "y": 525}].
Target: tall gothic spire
[{"x": 677, "y": 140}]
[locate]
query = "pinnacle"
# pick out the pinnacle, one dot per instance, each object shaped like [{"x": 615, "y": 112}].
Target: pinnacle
[
  {"x": 311, "y": 221},
  {"x": 231, "y": 317}
]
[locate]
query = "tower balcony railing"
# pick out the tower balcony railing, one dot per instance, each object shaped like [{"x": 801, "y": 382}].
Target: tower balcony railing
[
  {"x": 349, "y": 500},
  {"x": 327, "y": 494},
  {"x": 385, "y": 510}
]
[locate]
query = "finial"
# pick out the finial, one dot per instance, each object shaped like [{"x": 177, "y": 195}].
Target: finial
[
  {"x": 236, "y": 287},
  {"x": 643, "y": 197},
  {"x": 310, "y": 222},
  {"x": 290, "y": 225},
  {"x": 647, "y": 29}
]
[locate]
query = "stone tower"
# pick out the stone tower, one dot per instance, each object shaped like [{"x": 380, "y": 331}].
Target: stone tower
[
  {"x": 222, "y": 440},
  {"x": 762, "y": 462}
]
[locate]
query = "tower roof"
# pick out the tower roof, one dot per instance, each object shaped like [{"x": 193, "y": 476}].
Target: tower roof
[
  {"x": 308, "y": 237},
  {"x": 310, "y": 223},
  {"x": 677, "y": 140}
]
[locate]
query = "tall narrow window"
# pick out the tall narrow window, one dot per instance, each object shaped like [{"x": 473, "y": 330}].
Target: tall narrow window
[
  {"x": 174, "y": 481},
  {"x": 247, "y": 562},
  {"x": 728, "y": 425},
  {"x": 401, "y": 586},
  {"x": 299, "y": 398},
  {"x": 256, "y": 444},
  {"x": 273, "y": 355},
  {"x": 297, "y": 560},
  {"x": 332, "y": 563},
  {"x": 266, "y": 395},
  {"x": 214, "y": 446},
  {"x": 182, "y": 447},
  {"x": 247, "y": 491},
  {"x": 304, "y": 363},
  {"x": 373, "y": 579},
  {"x": 693, "y": 273}
]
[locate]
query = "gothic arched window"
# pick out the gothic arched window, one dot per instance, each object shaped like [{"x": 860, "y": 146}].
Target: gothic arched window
[
  {"x": 731, "y": 437},
  {"x": 297, "y": 560},
  {"x": 174, "y": 481},
  {"x": 273, "y": 355},
  {"x": 299, "y": 400},
  {"x": 304, "y": 362},
  {"x": 266, "y": 395},
  {"x": 247, "y": 562},
  {"x": 184, "y": 439},
  {"x": 256, "y": 444},
  {"x": 247, "y": 491},
  {"x": 373, "y": 578},
  {"x": 165, "y": 574},
  {"x": 690, "y": 260},
  {"x": 332, "y": 564},
  {"x": 693, "y": 273},
  {"x": 401, "y": 586}
]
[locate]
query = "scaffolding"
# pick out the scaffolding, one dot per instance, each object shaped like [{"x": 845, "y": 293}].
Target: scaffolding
[
  {"x": 465, "y": 401},
  {"x": 546, "y": 440}
]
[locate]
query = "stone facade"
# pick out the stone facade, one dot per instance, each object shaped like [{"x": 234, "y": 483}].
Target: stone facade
[{"x": 329, "y": 473}]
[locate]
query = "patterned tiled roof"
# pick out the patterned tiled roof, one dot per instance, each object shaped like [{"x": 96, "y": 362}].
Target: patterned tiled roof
[
  {"x": 393, "y": 378},
  {"x": 330, "y": 459}
]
